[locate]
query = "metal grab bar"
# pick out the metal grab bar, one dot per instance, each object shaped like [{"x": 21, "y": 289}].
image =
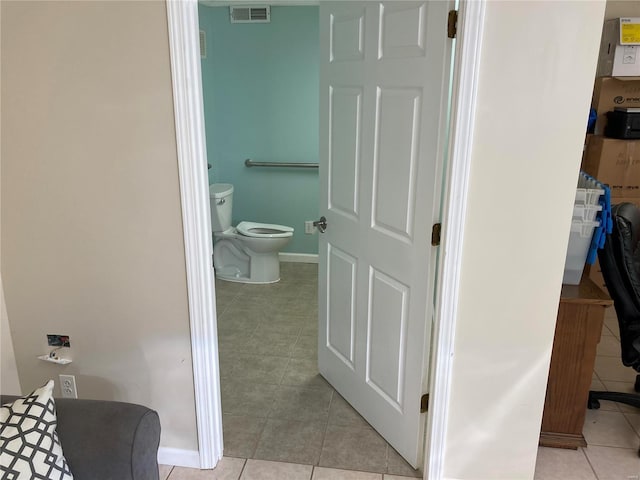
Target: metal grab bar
[{"x": 250, "y": 163}]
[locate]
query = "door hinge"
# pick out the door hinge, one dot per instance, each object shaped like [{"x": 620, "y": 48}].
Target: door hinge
[
  {"x": 424, "y": 403},
  {"x": 435, "y": 234},
  {"x": 452, "y": 24}
]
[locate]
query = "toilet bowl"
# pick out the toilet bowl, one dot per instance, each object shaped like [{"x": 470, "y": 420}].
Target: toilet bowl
[{"x": 247, "y": 253}]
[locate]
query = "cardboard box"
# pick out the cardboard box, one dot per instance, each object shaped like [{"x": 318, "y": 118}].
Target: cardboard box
[
  {"x": 609, "y": 92},
  {"x": 620, "y": 48},
  {"x": 615, "y": 163},
  {"x": 595, "y": 272}
]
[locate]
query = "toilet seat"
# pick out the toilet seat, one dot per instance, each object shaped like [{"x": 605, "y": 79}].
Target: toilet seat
[{"x": 264, "y": 230}]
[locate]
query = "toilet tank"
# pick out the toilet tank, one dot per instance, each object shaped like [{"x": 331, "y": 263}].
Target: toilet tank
[{"x": 221, "y": 201}]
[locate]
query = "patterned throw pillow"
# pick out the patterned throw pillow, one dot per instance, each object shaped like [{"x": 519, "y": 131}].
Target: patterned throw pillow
[{"x": 29, "y": 446}]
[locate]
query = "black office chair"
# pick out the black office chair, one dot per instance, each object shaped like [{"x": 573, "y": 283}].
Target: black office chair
[{"x": 620, "y": 263}]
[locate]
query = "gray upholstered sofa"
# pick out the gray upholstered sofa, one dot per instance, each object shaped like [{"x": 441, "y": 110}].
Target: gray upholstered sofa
[{"x": 104, "y": 440}]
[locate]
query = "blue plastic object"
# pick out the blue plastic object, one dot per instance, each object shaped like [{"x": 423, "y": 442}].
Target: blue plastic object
[
  {"x": 591, "y": 122},
  {"x": 606, "y": 222}
]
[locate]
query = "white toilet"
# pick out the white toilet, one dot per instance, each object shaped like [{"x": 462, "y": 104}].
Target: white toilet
[{"x": 247, "y": 253}]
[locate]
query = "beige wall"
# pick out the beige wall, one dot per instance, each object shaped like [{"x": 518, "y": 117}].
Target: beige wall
[
  {"x": 533, "y": 102},
  {"x": 622, "y": 8},
  {"x": 92, "y": 241}
]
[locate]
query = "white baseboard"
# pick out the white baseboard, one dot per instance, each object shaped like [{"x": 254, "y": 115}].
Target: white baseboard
[
  {"x": 178, "y": 457},
  {"x": 298, "y": 257}
]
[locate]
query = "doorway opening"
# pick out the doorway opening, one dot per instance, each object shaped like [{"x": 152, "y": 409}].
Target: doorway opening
[{"x": 260, "y": 88}]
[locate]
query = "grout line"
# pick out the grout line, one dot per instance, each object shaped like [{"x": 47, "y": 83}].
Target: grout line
[
  {"x": 584, "y": 452},
  {"x": 170, "y": 472},
  {"x": 326, "y": 425},
  {"x": 243, "y": 467},
  {"x": 259, "y": 437}
]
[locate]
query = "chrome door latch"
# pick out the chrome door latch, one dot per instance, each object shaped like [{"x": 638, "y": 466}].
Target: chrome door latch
[{"x": 321, "y": 224}]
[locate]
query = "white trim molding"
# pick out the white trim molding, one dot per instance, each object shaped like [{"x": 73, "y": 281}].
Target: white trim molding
[
  {"x": 178, "y": 457},
  {"x": 182, "y": 16},
  {"x": 466, "y": 68},
  {"x": 298, "y": 257}
]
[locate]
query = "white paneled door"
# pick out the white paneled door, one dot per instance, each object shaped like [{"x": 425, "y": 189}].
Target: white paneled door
[{"x": 383, "y": 80}]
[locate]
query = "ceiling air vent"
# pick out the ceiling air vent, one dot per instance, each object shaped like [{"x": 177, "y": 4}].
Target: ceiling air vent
[{"x": 250, "y": 14}]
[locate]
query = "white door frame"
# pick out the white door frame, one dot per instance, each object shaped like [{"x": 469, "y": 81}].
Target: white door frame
[{"x": 183, "y": 26}]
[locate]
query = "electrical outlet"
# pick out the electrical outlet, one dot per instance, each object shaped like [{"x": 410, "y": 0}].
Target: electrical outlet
[
  {"x": 68, "y": 386},
  {"x": 309, "y": 229}
]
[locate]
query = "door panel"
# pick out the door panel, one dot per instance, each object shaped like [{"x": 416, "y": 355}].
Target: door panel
[
  {"x": 382, "y": 77},
  {"x": 387, "y": 337},
  {"x": 345, "y": 120},
  {"x": 395, "y": 158},
  {"x": 341, "y": 303}
]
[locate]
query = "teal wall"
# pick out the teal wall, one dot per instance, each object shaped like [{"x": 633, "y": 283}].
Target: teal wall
[{"x": 260, "y": 85}]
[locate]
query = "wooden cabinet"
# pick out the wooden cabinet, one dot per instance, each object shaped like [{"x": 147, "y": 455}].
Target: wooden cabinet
[{"x": 578, "y": 329}]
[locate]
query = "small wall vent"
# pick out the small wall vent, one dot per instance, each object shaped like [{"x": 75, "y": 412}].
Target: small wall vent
[
  {"x": 203, "y": 44},
  {"x": 247, "y": 14}
]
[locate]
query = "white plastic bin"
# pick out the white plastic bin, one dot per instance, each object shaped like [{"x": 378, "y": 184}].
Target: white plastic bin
[
  {"x": 586, "y": 213},
  {"x": 588, "y": 196},
  {"x": 579, "y": 242}
]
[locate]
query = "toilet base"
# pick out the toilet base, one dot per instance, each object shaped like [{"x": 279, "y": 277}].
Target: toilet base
[
  {"x": 245, "y": 266},
  {"x": 230, "y": 278}
]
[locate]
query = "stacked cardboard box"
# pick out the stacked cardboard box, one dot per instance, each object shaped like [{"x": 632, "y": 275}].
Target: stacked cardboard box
[
  {"x": 617, "y": 164},
  {"x": 612, "y": 161}
]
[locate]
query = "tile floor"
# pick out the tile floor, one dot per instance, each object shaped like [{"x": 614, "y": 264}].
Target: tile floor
[
  {"x": 612, "y": 432},
  {"x": 276, "y": 406},
  {"x": 283, "y": 421}
]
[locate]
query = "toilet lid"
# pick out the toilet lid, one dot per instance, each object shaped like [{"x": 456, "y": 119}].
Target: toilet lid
[{"x": 264, "y": 230}]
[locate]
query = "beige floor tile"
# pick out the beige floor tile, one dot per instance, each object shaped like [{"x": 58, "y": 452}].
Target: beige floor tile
[
  {"x": 247, "y": 398},
  {"x": 562, "y": 464},
  {"x": 606, "y": 332},
  {"x": 302, "y": 404},
  {"x": 612, "y": 369},
  {"x": 250, "y": 309},
  {"x": 233, "y": 340},
  {"x": 259, "y": 368},
  {"x": 271, "y": 343},
  {"x": 614, "y": 463},
  {"x": 265, "y": 470},
  {"x": 322, "y": 473},
  {"x": 164, "y": 471},
  {"x": 228, "y": 287},
  {"x": 609, "y": 346},
  {"x": 612, "y": 325},
  {"x": 343, "y": 414},
  {"x": 280, "y": 323},
  {"x": 298, "y": 306},
  {"x": 306, "y": 346},
  {"x": 303, "y": 372},
  {"x": 236, "y": 322},
  {"x": 227, "y": 469},
  {"x": 310, "y": 327},
  {"x": 397, "y": 465},
  {"x": 610, "y": 312},
  {"x": 396, "y": 477},
  {"x": 241, "y": 434},
  {"x": 610, "y": 429},
  {"x": 354, "y": 448},
  {"x": 623, "y": 387},
  {"x": 291, "y": 441},
  {"x": 634, "y": 420},
  {"x": 596, "y": 384}
]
